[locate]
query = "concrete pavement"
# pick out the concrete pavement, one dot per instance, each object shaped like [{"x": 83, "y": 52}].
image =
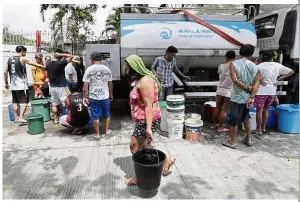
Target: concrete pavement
[{"x": 57, "y": 165}]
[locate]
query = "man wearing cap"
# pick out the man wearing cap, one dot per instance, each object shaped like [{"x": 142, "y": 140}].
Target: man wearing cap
[
  {"x": 38, "y": 76},
  {"x": 71, "y": 73},
  {"x": 55, "y": 71},
  {"x": 98, "y": 92}
]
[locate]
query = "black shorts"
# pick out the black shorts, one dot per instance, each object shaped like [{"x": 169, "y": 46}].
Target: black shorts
[
  {"x": 140, "y": 128},
  {"x": 19, "y": 96},
  {"x": 237, "y": 114}
]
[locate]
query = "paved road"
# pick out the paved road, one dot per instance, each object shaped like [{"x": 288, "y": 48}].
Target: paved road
[{"x": 56, "y": 165}]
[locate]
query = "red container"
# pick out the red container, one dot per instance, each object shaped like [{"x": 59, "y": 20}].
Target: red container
[{"x": 209, "y": 110}]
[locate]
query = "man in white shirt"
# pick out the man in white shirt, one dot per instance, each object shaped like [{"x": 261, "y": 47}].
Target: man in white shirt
[
  {"x": 266, "y": 93},
  {"x": 98, "y": 92},
  {"x": 71, "y": 74}
]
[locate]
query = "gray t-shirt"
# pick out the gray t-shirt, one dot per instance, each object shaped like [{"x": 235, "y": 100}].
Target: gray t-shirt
[
  {"x": 225, "y": 83},
  {"x": 98, "y": 77}
]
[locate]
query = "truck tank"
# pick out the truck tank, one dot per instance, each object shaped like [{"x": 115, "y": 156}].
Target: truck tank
[{"x": 149, "y": 35}]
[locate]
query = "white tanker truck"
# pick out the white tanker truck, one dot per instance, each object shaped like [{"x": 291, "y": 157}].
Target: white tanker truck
[
  {"x": 279, "y": 31},
  {"x": 202, "y": 41}
]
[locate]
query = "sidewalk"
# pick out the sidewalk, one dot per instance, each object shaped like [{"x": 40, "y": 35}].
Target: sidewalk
[{"x": 56, "y": 165}]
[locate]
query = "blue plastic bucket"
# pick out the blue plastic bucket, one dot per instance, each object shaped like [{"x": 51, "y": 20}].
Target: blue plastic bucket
[
  {"x": 252, "y": 109},
  {"x": 11, "y": 112},
  {"x": 271, "y": 118},
  {"x": 288, "y": 118}
]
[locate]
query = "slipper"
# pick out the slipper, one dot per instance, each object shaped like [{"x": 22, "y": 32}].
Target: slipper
[
  {"x": 165, "y": 170},
  {"x": 247, "y": 141},
  {"x": 22, "y": 122},
  {"x": 264, "y": 131},
  {"x": 214, "y": 126},
  {"x": 55, "y": 122},
  {"x": 109, "y": 132},
  {"x": 223, "y": 130},
  {"x": 77, "y": 132},
  {"x": 227, "y": 144},
  {"x": 97, "y": 136},
  {"x": 16, "y": 121}
]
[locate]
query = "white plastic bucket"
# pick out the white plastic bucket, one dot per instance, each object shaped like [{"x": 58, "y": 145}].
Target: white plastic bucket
[
  {"x": 252, "y": 120},
  {"x": 175, "y": 129},
  {"x": 193, "y": 116},
  {"x": 176, "y": 113},
  {"x": 193, "y": 129},
  {"x": 164, "y": 117},
  {"x": 175, "y": 100}
]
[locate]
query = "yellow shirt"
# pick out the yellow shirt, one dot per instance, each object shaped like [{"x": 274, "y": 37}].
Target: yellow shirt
[{"x": 38, "y": 75}]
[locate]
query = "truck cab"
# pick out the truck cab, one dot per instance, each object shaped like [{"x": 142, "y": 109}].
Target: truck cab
[{"x": 279, "y": 31}]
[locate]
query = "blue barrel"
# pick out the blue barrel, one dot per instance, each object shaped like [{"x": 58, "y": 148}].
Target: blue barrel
[
  {"x": 11, "y": 112},
  {"x": 271, "y": 118},
  {"x": 288, "y": 118}
]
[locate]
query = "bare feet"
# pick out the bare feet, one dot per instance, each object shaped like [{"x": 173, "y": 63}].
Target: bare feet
[
  {"x": 131, "y": 181},
  {"x": 169, "y": 162}
]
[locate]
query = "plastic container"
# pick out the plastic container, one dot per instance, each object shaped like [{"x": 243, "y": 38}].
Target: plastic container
[
  {"x": 288, "y": 118},
  {"x": 175, "y": 100},
  {"x": 164, "y": 116},
  {"x": 148, "y": 166},
  {"x": 31, "y": 92},
  {"x": 193, "y": 129},
  {"x": 175, "y": 129},
  {"x": 176, "y": 113},
  {"x": 35, "y": 123},
  {"x": 271, "y": 122},
  {"x": 209, "y": 110},
  {"x": 41, "y": 106},
  {"x": 252, "y": 120},
  {"x": 11, "y": 112},
  {"x": 193, "y": 116}
]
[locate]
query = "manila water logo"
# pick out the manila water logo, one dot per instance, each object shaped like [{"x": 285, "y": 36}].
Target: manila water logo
[{"x": 166, "y": 34}]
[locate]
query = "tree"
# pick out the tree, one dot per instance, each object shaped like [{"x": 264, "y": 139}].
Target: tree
[
  {"x": 70, "y": 20},
  {"x": 112, "y": 23}
]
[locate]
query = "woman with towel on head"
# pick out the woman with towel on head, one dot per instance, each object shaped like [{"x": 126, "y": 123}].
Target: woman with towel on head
[{"x": 145, "y": 109}]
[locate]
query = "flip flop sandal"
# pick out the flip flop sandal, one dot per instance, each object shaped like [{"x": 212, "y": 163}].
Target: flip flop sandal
[
  {"x": 55, "y": 122},
  {"x": 165, "y": 171},
  {"x": 247, "y": 142},
  {"x": 109, "y": 132},
  {"x": 223, "y": 130},
  {"x": 16, "y": 121},
  {"x": 79, "y": 132},
  {"x": 214, "y": 127},
  {"x": 264, "y": 131},
  {"x": 97, "y": 137},
  {"x": 22, "y": 123},
  {"x": 227, "y": 144}
]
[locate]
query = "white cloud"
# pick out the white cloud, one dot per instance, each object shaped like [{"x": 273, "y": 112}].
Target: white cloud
[{"x": 27, "y": 18}]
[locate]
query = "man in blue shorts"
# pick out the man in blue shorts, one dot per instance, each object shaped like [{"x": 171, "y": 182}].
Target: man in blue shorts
[
  {"x": 246, "y": 79},
  {"x": 98, "y": 92}
]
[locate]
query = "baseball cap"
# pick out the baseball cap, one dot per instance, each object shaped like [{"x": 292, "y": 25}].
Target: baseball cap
[
  {"x": 76, "y": 59},
  {"x": 96, "y": 56}
]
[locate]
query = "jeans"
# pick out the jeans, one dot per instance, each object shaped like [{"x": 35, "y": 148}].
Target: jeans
[{"x": 165, "y": 91}]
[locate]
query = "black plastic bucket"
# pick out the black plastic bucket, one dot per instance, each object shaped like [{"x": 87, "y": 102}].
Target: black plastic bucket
[{"x": 148, "y": 166}]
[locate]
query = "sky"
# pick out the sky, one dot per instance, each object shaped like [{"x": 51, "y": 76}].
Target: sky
[{"x": 27, "y": 18}]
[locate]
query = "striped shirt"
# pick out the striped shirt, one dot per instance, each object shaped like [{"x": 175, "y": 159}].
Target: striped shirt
[{"x": 164, "y": 70}]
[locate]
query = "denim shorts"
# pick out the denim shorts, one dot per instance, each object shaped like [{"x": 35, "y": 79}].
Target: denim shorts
[{"x": 100, "y": 109}]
